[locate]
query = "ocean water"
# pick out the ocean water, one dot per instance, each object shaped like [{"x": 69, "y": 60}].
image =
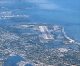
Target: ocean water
[{"x": 65, "y": 13}]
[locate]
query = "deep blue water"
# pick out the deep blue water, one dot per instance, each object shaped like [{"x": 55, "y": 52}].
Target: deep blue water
[
  {"x": 47, "y": 11},
  {"x": 12, "y": 61}
]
